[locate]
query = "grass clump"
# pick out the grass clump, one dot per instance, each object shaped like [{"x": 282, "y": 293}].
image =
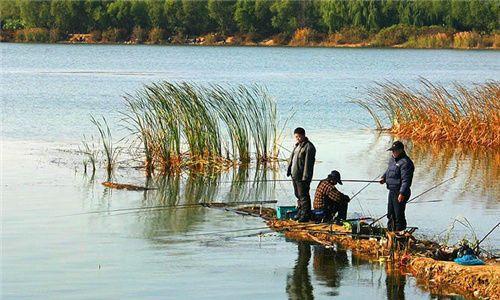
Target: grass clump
[
  {"x": 304, "y": 37},
  {"x": 109, "y": 150},
  {"x": 435, "y": 113},
  {"x": 33, "y": 35},
  {"x": 188, "y": 125}
]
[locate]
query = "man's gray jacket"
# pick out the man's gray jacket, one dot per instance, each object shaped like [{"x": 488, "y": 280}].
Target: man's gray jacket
[{"x": 301, "y": 167}]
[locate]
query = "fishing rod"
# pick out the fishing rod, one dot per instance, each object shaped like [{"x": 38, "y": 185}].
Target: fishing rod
[
  {"x": 172, "y": 206},
  {"x": 416, "y": 197},
  {"x": 362, "y": 189},
  {"x": 490, "y": 232},
  {"x": 288, "y": 180}
]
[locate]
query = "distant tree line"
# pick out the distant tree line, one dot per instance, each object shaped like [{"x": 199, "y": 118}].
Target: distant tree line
[{"x": 261, "y": 17}]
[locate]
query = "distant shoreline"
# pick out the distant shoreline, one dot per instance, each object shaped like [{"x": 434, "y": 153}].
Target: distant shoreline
[{"x": 257, "y": 45}]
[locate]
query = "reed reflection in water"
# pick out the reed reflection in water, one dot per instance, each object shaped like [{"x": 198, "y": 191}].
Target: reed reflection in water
[{"x": 180, "y": 196}]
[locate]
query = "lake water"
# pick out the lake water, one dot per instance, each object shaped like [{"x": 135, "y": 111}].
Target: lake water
[{"x": 51, "y": 250}]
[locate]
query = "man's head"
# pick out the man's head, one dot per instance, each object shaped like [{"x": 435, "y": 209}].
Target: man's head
[
  {"x": 300, "y": 134},
  {"x": 334, "y": 177},
  {"x": 397, "y": 148}
]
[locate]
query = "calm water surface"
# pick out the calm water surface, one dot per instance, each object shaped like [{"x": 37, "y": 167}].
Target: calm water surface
[{"x": 48, "y": 93}]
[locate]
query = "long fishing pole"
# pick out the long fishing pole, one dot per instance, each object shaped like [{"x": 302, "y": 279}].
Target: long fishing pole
[
  {"x": 171, "y": 206},
  {"x": 362, "y": 189},
  {"x": 289, "y": 180},
  {"x": 490, "y": 232},
  {"x": 416, "y": 197}
]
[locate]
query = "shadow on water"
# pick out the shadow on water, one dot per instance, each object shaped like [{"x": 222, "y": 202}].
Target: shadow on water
[{"x": 329, "y": 265}]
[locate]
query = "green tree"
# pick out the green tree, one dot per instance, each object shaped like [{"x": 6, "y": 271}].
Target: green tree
[
  {"x": 119, "y": 14},
  {"x": 139, "y": 13},
  {"x": 156, "y": 12},
  {"x": 69, "y": 16},
  {"x": 334, "y": 14},
  {"x": 196, "y": 20},
  {"x": 244, "y": 16},
  {"x": 97, "y": 13},
  {"x": 285, "y": 15},
  {"x": 221, "y": 13},
  {"x": 174, "y": 15},
  {"x": 35, "y": 13},
  {"x": 263, "y": 17}
]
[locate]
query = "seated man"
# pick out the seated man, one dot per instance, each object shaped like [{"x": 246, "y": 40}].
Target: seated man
[{"x": 328, "y": 201}]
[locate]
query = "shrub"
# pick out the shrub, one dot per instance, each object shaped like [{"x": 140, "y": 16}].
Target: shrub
[
  {"x": 394, "y": 35},
  {"x": 95, "y": 36},
  {"x": 156, "y": 36},
  {"x": 430, "y": 30},
  {"x": 12, "y": 24},
  {"x": 438, "y": 40},
  {"x": 32, "y": 35},
  {"x": 304, "y": 37},
  {"x": 55, "y": 35},
  {"x": 139, "y": 35},
  {"x": 213, "y": 39},
  {"x": 466, "y": 39},
  {"x": 280, "y": 39},
  {"x": 179, "y": 38},
  {"x": 352, "y": 35},
  {"x": 114, "y": 35}
]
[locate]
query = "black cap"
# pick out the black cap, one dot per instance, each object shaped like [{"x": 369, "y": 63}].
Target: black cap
[
  {"x": 397, "y": 145},
  {"x": 335, "y": 175}
]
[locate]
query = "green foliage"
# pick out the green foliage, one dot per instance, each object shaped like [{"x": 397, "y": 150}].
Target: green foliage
[
  {"x": 12, "y": 24},
  {"x": 221, "y": 13},
  {"x": 394, "y": 35},
  {"x": 260, "y": 17}
]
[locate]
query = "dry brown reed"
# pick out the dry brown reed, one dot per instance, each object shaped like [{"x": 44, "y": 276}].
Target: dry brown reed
[{"x": 434, "y": 113}]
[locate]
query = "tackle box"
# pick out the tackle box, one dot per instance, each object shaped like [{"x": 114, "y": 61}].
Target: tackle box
[{"x": 285, "y": 212}]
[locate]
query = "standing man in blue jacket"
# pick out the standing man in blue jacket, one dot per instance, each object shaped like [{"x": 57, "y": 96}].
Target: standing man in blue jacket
[
  {"x": 398, "y": 178},
  {"x": 301, "y": 168}
]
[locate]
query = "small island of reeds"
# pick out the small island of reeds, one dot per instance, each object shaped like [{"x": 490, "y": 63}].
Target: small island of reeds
[
  {"x": 200, "y": 127},
  {"x": 461, "y": 115}
]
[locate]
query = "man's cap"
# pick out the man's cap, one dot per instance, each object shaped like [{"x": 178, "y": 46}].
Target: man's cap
[
  {"x": 335, "y": 175},
  {"x": 397, "y": 145}
]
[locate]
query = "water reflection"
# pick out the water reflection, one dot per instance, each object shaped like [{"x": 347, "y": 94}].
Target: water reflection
[
  {"x": 298, "y": 284},
  {"x": 173, "y": 190},
  {"x": 395, "y": 283},
  {"x": 329, "y": 266},
  {"x": 477, "y": 169}
]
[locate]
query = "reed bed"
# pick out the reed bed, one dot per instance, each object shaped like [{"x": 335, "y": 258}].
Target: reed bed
[
  {"x": 208, "y": 128},
  {"x": 434, "y": 113}
]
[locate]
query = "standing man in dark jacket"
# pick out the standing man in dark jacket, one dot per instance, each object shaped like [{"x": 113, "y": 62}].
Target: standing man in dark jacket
[
  {"x": 301, "y": 168},
  {"x": 398, "y": 178}
]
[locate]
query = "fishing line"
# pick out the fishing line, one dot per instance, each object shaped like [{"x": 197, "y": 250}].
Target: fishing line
[
  {"x": 171, "y": 206},
  {"x": 418, "y": 196}
]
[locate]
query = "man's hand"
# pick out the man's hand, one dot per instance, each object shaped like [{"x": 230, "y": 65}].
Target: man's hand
[
  {"x": 401, "y": 198},
  {"x": 382, "y": 181}
]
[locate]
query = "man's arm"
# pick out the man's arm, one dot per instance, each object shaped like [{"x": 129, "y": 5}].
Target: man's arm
[
  {"x": 289, "y": 170},
  {"x": 406, "y": 178},
  {"x": 309, "y": 162}
]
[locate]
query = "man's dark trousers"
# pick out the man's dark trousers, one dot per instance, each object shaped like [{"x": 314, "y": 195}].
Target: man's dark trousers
[
  {"x": 301, "y": 189},
  {"x": 396, "y": 211}
]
